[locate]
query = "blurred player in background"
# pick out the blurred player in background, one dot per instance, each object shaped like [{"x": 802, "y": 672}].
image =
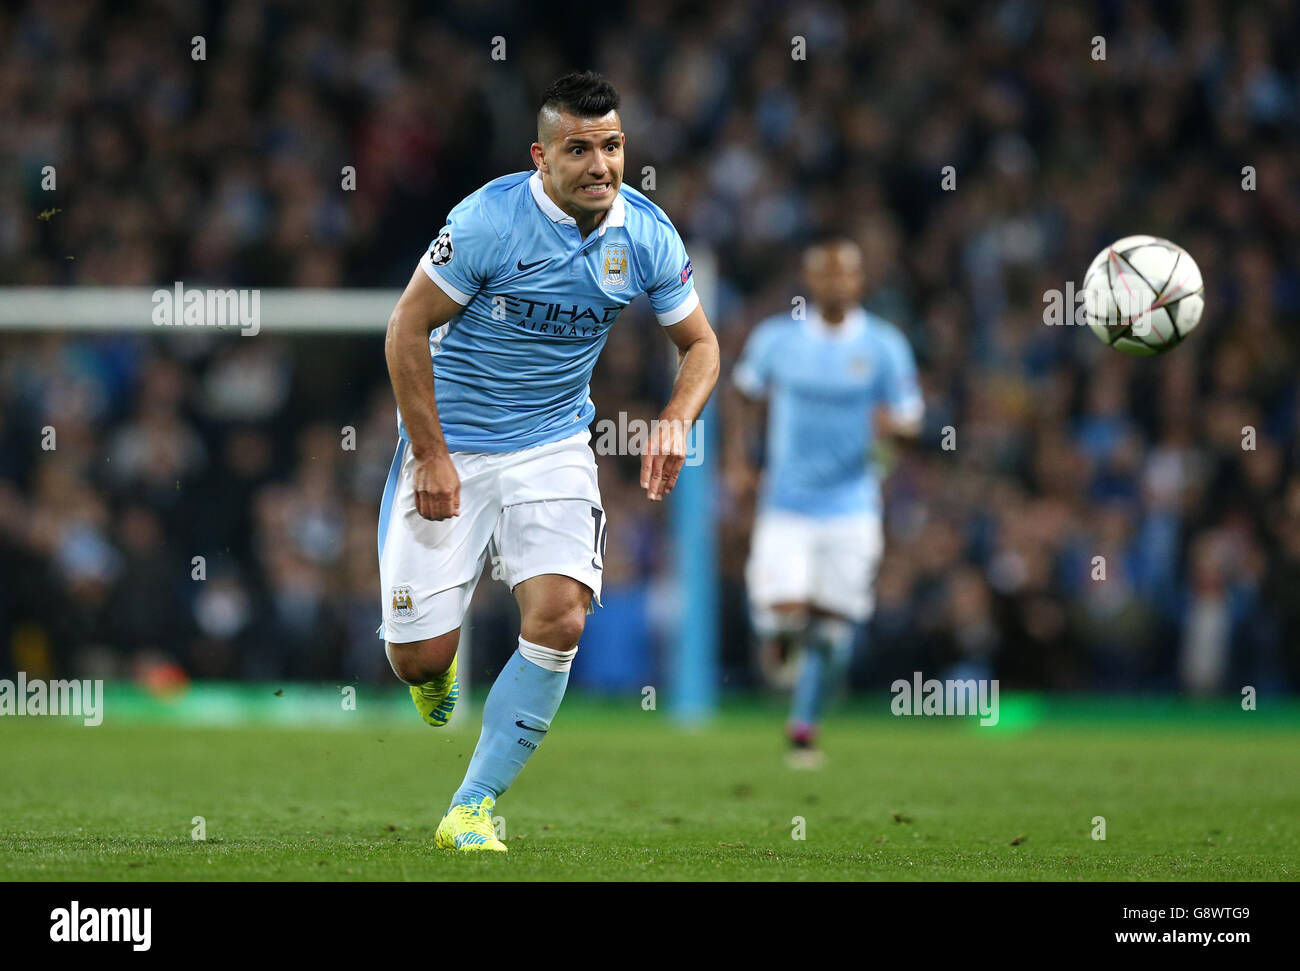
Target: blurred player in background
[
  {"x": 834, "y": 381},
  {"x": 513, "y": 303}
]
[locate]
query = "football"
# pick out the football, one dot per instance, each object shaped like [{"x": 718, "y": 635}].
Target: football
[{"x": 1143, "y": 295}]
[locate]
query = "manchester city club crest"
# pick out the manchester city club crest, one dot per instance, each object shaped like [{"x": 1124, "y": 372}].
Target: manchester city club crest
[
  {"x": 614, "y": 258},
  {"x": 403, "y": 605}
]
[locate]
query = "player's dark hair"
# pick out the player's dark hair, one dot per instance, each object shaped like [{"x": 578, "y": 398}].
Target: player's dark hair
[
  {"x": 828, "y": 239},
  {"x": 828, "y": 236},
  {"x": 584, "y": 94}
]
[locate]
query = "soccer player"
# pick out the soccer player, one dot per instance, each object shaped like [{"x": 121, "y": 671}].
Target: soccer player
[
  {"x": 490, "y": 350},
  {"x": 817, "y": 536}
]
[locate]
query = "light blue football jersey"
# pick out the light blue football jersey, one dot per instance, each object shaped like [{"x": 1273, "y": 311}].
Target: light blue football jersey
[
  {"x": 823, "y": 384},
  {"x": 512, "y": 369}
]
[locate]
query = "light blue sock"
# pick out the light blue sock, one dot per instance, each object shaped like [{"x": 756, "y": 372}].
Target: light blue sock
[
  {"x": 516, "y": 717},
  {"x": 828, "y": 649}
]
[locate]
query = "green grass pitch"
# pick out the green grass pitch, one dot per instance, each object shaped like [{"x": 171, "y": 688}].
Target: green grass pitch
[{"x": 617, "y": 793}]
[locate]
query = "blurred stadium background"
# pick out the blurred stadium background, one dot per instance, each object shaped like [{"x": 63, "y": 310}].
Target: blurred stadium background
[{"x": 225, "y": 172}]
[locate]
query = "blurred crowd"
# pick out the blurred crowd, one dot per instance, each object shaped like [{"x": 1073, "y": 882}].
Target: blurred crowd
[{"x": 758, "y": 127}]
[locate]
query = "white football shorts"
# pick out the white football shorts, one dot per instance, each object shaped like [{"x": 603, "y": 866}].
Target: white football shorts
[
  {"x": 829, "y": 563},
  {"x": 533, "y": 511}
]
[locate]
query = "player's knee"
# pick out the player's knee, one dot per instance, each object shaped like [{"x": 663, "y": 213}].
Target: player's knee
[
  {"x": 782, "y": 620},
  {"x": 559, "y": 626},
  {"x": 418, "y": 662}
]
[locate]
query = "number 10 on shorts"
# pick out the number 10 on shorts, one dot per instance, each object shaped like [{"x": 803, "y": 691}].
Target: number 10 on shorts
[{"x": 601, "y": 535}]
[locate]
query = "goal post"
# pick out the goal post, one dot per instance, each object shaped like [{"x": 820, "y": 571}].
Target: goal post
[
  {"x": 692, "y": 654},
  {"x": 133, "y": 309}
]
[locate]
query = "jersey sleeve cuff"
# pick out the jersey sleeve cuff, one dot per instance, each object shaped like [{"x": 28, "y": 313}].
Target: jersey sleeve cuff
[
  {"x": 681, "y": 311},
  {"x": 749, "y": 383},
  {"x": 908, "y": 412},
  {"x": 432, "y": 273}
]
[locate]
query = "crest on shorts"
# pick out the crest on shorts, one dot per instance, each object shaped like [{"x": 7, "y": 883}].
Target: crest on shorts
[
  {"x": 614, "y": 256},
  {"x": 403, "y": 605}
]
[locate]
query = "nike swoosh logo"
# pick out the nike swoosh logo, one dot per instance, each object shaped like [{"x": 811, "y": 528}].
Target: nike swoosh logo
[
  {"x": 521, "y": 265},
  {"x": 539, "y": 731}
]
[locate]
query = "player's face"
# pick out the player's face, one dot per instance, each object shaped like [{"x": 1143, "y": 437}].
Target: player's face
[
  {"x": 583, "y": 161},
  {"x": 835, "y": 275}
]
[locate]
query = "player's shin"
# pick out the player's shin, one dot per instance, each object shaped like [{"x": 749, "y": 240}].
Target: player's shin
[{"x": 516, "y": 717}]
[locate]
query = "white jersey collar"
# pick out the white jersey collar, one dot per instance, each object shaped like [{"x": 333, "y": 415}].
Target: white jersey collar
[
  {"x": 853, "y": 324},
  {"x": 615, "y": 218}
]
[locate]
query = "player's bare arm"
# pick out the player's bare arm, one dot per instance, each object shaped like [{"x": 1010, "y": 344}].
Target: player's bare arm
[
  {"x": 744, "y": 416},
  {"x": 422, "y": 307},
  {"x": 697, "y": 373}
]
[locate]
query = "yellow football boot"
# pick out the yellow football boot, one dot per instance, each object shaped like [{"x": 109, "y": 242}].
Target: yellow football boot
[
  {"x": 468, "y": 828},
  {"x": 436, "y": 699}
]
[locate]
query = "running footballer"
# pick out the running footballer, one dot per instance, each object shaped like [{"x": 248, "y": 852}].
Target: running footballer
[{"x": 490, "y": 350}]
